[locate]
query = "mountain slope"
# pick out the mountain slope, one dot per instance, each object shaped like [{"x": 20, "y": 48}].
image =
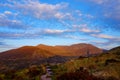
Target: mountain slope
[
  {"x": 72, "y": 50},
  {"x": 104, "y": 66},
  {"x": 55, "y": 50},
  {"x": 44, "y": 51},
  {"x": 25, "y": 52},
  {"x": 32, "y": 55},
  {"x": 82, "y": 49}
]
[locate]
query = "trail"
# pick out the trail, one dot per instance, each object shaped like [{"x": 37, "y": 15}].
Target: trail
[
  {"x": 48, "y": 75},
  {"x": 44, "y": 77}
]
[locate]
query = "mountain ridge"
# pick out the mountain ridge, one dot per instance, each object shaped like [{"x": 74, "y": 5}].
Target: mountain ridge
[
  {"x": 32, "y": 55},
  {"x": 62, "y": 50}
]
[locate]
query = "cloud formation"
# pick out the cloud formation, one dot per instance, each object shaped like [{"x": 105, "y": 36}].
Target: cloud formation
[
  {"x": 6, "y": 22},
  {"x": 75, "y": 37},
  {"x": 56, "y": 32},
  {"x": 37, "y": 33},
  {"x": 93, "y": 20},
  {"x": 102, "y": 36},
  {"x": 110, "y": 40},
  {"x": 85, "y": 29},
  {"x": 111, "y": 8},
  {"x": 40, "y": 10}
]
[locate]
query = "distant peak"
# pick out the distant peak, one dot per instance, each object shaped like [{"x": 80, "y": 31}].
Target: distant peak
[
  {"x": 41, "y": 45},
  {"x": 80, "y": 44}
]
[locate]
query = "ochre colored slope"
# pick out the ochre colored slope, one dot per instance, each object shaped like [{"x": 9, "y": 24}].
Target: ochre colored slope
[
  {"x": 25, "y": 52},
  {"x": 43, "y": 51}
]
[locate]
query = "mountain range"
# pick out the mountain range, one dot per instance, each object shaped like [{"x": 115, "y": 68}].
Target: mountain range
[
  {"x": 43, "y": 51},
  {"x": 30, "y": 55}
]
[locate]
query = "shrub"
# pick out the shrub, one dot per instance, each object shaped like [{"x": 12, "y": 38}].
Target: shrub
[
  {"x": 33, "y": 72},
  {"x": 10, "y": 74},
  {"x": 78, "y": 75}
]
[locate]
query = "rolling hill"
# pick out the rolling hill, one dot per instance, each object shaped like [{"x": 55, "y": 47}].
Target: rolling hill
[
  {"x": 30, "y": 55},
  {"x": 19, "y": 62},
  {"x": 104, "y": 67},
  {"x": 43, "y": 51},
  {"x": 72, "y": 50}
]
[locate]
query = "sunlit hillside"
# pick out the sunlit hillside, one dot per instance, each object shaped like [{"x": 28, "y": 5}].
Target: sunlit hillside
[{"x": 103, "y": 66}]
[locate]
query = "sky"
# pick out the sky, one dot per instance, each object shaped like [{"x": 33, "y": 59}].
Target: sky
[{"x": 59, "y": 22}]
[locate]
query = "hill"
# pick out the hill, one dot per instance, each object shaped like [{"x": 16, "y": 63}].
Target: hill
[
  {"x": 30, "y": 55},
  {"x": 72, "y": 50},
  {"x": 104, "y": 66}
]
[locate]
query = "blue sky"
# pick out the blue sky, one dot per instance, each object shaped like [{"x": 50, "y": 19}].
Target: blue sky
[{"x": 59, "y": 22}]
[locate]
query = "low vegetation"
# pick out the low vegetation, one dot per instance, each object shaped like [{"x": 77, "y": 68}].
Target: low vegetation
[
  {"x": 102, "y": 67},
  {"x": 32, "y": 73}
]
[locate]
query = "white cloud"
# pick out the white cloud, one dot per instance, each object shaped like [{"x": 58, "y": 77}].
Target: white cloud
[
  {"x": 53, "y": 31},
  {"x": 79, "y": 13},
  {"x": 50, "y": 31},
  {"x": 111, "y": 8},
  {"x": 99, "y": 1},
  {"x": 41, "y": 10},
  {"x": 87, "y": 30},
  {"x": 59, "y": 15},
  {"x": 6, "y": 22},
  {"x": 34, "y": 33},
  {"x": 62, "y": 16},
  {"x": 7, "y": 13},
  {"x": 74, "y": 37},
  {"x": 84, "y": 28},
  {"x": 108, "y": 8},
  {"x": 108, "y": 43},
  {"x": 79, "y": 26},
  {"x": 102, "y": 36}
]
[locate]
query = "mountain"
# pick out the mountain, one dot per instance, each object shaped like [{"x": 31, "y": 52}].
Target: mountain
[
  {"x": 104, "y": 67},
  {"x": 25, "y": 52},
  {"x": 22, "y": 57},
  {"x": 72, "y": 50},
  {"x": 43, "y": 51},
  {"x": 115, "y": 50},
  {"x": 82, "y": 49},
  {"x": 30, "y": 55}
]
